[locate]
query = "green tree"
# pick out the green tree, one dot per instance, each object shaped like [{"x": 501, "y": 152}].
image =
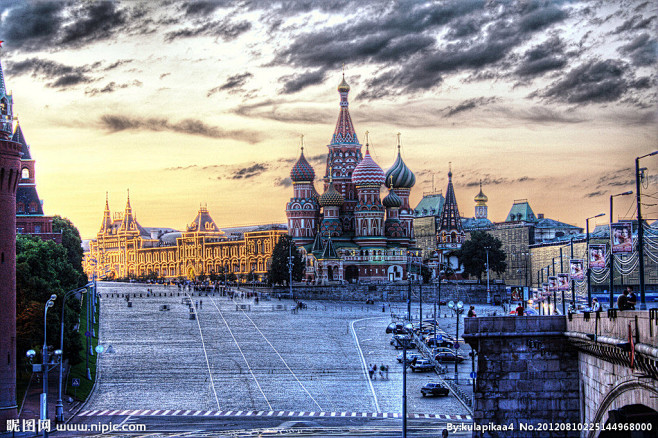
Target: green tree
[
  {"x": 43, "y": 269},
  {"x": 473, "y": 255},
  {"x": 278, "y": 272},
  {"x": 71, "y": 240}
]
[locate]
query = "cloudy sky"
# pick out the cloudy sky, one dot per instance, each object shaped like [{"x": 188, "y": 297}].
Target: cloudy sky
[{"x": 187, "y": 103}]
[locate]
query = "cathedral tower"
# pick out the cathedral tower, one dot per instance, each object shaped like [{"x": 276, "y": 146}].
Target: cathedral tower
[
  {"x": 10, "y": 160},
  {"x": 401, "y": 179},
  {"x": 480, "y": 204},
  {"x": 368, "y": 178},
  {"x": 344, "y": 155},
  {"x": 450, "y": 234},
  {"x": 303, "y": 209}
]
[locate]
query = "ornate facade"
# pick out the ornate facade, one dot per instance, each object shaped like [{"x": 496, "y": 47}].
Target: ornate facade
[
  {"x": 349, "y": 233},
  {"x": 123, "y": 248}
]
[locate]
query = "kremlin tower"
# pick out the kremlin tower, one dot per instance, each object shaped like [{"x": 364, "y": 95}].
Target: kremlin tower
[
  {"x": 450, "y": 234},
  {"x": 10, "y": 161}
]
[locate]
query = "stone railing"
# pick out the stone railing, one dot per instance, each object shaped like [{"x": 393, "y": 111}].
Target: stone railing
[
  {"x": 514, "y": 325},
  {"x": 644, "y": 325}
]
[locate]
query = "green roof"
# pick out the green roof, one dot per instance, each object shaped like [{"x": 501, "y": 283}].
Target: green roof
[
  {"x": 521, "y": 211},
  {"x": 430, "y": 205}
]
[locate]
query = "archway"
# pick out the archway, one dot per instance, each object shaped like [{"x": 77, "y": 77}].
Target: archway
[
  {"x": 352, "y": 274},
  {"x": 637, "y": 414}
]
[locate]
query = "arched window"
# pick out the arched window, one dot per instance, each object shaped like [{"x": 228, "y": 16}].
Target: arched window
[{"x": 25, "y": 173}]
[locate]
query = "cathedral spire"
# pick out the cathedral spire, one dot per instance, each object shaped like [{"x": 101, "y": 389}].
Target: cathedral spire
[
  {"x": 106, "y": 225},
  {"x": 451, "y": 233},
  {"x": 344, "y": 132}
]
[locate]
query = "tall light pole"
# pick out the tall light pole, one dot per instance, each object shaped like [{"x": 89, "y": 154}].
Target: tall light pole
[
  {"x": 486, "y": 249},
  {"x": 59, "y": 407},
  {"x": 640, "y": 228},
  {"x": 589, "y": 271},
  {"x": 290, "y": 268},
  {"x": 611, "y": 262},
  {"x": 458, "y": 309},
  {"x": 44, "y": 364}
]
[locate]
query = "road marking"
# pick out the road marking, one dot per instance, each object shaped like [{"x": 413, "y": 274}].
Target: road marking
[
  {"x": 363, "y": 359},
  {"x": 243, "y": 356},
  {"x": 205, "y": 353}
]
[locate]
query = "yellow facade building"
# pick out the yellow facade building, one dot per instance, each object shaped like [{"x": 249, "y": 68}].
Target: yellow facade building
[{"x": 125, "y": 249}]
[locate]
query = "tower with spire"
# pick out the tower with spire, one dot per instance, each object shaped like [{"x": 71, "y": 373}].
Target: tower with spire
[
  {"x": 450, "y": 234},
  {"x": 10, "y": 160},
  {"x": 481, "y": 204},
  {"x": 369, "y": 213}
]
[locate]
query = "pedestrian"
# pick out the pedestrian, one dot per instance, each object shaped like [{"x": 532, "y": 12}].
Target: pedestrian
[
  {"x": 201, "y": 304},
  {"x": 471, "y": 312},
  {"x": 382, "y": 368},
  {"x": 622, "y": 300},
  {"x": 520, "y": 310},
  {"x": 386, "y": 372},
  {"x": 596, "y": 306},
  {"x": 632, "y": 298},
  {"x": 370, "y": 371},
  {"x": 374, "y": 371}
]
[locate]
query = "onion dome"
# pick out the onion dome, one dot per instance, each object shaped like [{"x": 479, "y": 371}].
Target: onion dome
[
  {"x": 367, "y": 172},
  {"x": 302, "y": 170},
  {"x": 399, "y": 175},
  {"x": 481, "y": 198},
  {"x": 343, "y": 87},
  {"x": 331, "y": 198},
  {"x": 392, "y": 200}
]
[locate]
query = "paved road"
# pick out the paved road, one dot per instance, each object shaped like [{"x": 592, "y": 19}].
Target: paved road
[{"x": 254, "y": 358}]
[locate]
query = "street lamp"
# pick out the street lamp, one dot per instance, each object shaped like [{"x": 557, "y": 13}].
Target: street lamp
[
  {"x": 589, "y": 271},
  {"x": 610, "y": 261},
  {"x": 44, "y": 363},
  {"x": 640, "y": 228},
  {"x": 487, "y": 248},
  {"x": 59, "y": 407},
  {"x": 458, "y": 309}
]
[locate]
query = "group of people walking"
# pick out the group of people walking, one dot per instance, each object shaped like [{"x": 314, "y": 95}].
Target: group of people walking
[{"x": 383, "y": 372}]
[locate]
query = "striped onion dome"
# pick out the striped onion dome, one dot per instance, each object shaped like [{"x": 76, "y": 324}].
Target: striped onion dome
[
  {"x": 399, "y": 175},
  {"x": 367, "y": 172},
  {"x": 331, "y": 198},
  {"x": 302, "y": 170},
  {"x": 392, "y": 200}
]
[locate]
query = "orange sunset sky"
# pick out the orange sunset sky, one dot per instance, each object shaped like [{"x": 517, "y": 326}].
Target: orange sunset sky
[{"x": 189, "y": 103}]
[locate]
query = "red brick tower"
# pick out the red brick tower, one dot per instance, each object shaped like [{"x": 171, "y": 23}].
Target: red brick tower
[{"x": 10, "y": 160}]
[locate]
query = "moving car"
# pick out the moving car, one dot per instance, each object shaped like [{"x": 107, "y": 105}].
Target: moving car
[
  {"x": 421, "y": 365},
  {"x": 434, "y": 389},
  {"x": 448, "y": 356}
]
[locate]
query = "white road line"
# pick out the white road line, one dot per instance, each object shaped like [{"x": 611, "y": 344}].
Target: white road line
[
  {"x": 243, "y": 356},
  {"x": 282, "y": 360},
  {"x": 363, "y": 359},
  {"x": 205, "y": 353}
]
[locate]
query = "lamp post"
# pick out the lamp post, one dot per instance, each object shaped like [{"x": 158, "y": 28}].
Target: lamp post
[
  {"x": 458, "y": 309},
  {"x": 290, "y": 268},
  {"x": 611, "y": 261},
  {"x": 640, "y": 229},
  {"x": 44, "y": 363},
  {"x": 589, "y": 272},
  {"x": 486, "y": 249},
  {"x": 59, "y": 407}
]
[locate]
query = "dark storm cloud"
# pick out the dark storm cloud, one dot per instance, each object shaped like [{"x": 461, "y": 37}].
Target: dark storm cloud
[
  {"x": 642, "y": 50},
  {"x": 250, "y": 172},
  {"x": 468, "y": 105},
  {"x": 118, "y": 63},
  {"x": 595, "y": 194},
  {"x": 224, "y": 29},
  {"x": 272, "y": 110},
  {"x": 116, "y": 123},
  {"x": 489, "y": 180},
  {"x": 283, "y": 182},
  {"x": 42, "y": 25},
  {"x": 637, "y": 22},
  {"x": 542, "y": 58},
  {"x": 592, "y": 82},
  {"x": 295, "y": 83},
  {"x": 112, "y": 87},
  {"x": 202, "y": 8},
  {"x": 233, "y": 84},
  {"x": 61, "y": 75}
]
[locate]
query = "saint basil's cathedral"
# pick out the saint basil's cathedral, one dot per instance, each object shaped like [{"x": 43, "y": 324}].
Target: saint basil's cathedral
[{"x": 348, "y": 233}]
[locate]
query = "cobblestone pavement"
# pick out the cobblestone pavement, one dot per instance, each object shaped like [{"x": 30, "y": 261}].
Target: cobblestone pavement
[{"x": 258, "y": 358}]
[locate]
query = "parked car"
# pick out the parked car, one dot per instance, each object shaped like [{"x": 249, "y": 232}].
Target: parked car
[
  {"x": 410, "y": 357},
  {"x": 390, "y": 328},
  {"x": 433, "y": 389},
  {"x": 421, "y": 365},
  {"x": 448, "y": 356},
  {"x": 441, "y": 342}
]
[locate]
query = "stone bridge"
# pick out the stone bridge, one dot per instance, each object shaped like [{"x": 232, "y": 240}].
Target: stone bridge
[{"x": 579, "y": 370}]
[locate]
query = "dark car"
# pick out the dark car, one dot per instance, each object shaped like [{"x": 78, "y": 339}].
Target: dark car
[
  {"x": 390, "y": 328},
  {"x": 448, "y": 356},
  {"x": 442, "y": 342},
  {"x": 421, "y": 365},
  {"x": 434, "y": 389},
  {"x": 398, "y": 341}
]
